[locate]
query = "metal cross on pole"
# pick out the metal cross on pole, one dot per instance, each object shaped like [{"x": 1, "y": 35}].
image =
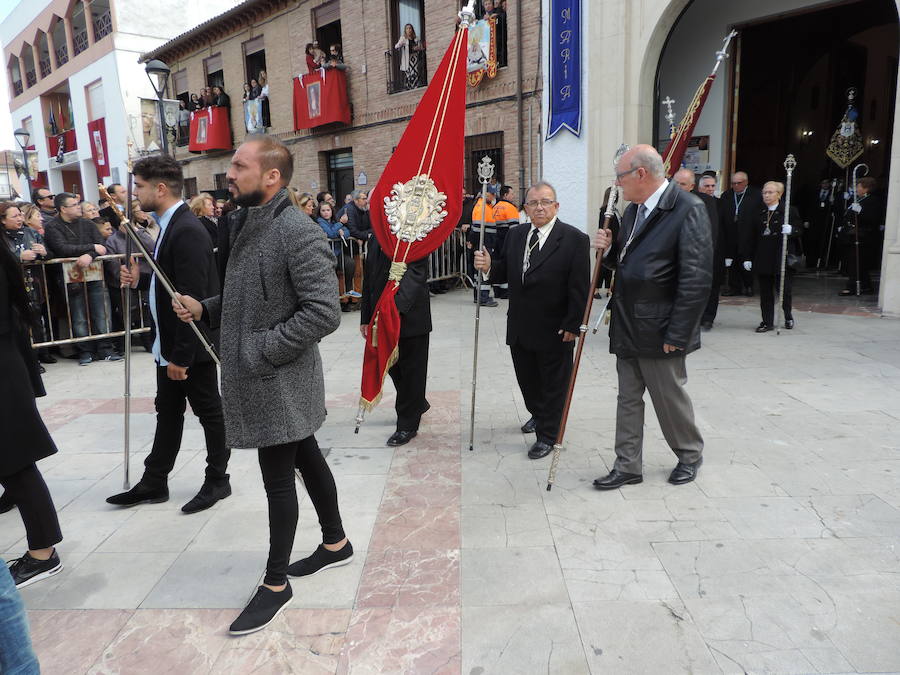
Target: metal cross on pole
[{"x": 485, "y": 172}]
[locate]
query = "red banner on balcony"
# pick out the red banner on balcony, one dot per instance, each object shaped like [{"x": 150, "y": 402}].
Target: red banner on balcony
[
  {"x": 99, "y": 153},
  {"x": 67, "y": 138},
  {"x": 210, "y": 130},
  {"x": 320, "y": 98}
]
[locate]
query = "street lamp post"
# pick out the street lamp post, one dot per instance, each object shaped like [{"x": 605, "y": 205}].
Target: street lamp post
[
  {"x": 22, "y": 138},
  {"x": 158, "y": 72}
]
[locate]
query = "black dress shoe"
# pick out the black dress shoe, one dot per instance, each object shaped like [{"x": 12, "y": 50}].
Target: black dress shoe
[
  {"x": 727, "y": 293},
  {"x": 209, "y": 494},
  {"x": 540, "y": 449},
  {"x": 617, "y": 479},
  {"x": 46, "y": 358},
  {"x": 529, "y": 426},
  {"x": 788, "y": 324},
  {"x": 684, "y": 473},
  {"x": 763, "y": 328},
  {"x": 706, "y": 326},
  {"x": 140, "y": 494},
  {"x": 401, "y": 438}
]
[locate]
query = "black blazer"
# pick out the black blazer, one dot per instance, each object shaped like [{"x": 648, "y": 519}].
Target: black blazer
[
  {"x": 553, "y": 293},
  {"x": 186, "y": 257},
  {"x": 412, "y": 297},
  {"x": 765, "y": 249},
  {"x": 662, "y": 283},
  {"x": 740, "y": 230}
]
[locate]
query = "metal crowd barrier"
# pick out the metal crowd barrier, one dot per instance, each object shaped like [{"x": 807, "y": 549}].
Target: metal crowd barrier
[
  {"x": 52, "y": 284},
  {"x": 445, "y": 263}
]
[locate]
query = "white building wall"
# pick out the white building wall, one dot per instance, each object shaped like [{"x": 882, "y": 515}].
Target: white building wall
[{"x": 566, "y": 156}]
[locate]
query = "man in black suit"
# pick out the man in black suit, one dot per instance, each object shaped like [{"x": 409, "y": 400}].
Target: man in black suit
[
  {"x": 547, "y": 266},
  {"x": 738, "y": 209},
  {"x": 185, "y": 371},
  {"x": 687, "y": 181},
  {"x": 663, "y": 260},
  {"x": 410, "y": 371}
]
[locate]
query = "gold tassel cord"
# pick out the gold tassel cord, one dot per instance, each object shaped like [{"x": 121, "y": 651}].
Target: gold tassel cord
[{"x": 398, "y": 269}]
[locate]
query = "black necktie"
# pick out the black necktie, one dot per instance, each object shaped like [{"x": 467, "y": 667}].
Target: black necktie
[{"x": 533, "y": 241}]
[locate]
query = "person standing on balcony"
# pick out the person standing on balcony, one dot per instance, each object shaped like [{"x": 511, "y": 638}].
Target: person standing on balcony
[
  {"x": 220, "y": 98},
  {"x": 412, "y": 62}
]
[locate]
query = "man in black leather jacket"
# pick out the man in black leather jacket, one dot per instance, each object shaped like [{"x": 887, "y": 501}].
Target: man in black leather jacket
[{"x": 663, "y": 259}]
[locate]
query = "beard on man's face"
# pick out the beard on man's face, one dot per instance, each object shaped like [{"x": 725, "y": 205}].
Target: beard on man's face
[{"x": 245, "y": 199}]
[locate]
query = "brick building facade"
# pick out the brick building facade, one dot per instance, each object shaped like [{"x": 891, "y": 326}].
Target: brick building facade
[{"x": 327, "y": 156}]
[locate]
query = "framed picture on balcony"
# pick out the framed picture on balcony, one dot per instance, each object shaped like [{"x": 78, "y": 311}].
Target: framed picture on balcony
[
  {"x": 253, "y": 118},
  {"x": 314, "y": 99},
  {"x": 202, "y": 129}
]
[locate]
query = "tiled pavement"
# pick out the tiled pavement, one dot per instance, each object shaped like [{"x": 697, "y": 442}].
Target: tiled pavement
[{"x": 782, "y": 557}]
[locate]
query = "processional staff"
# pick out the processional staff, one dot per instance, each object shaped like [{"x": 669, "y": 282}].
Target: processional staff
[
  {"x": 789, "y": 164},
  {"x": 582, "y": 336},
  {"x": 485, "y": 172}
]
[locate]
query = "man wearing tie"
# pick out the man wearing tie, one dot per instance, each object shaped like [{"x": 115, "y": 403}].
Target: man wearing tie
[
  {"x": 663, "y": 260},
  {"x": 185, "y": 372},
  {"x": 547, "y": 266}
]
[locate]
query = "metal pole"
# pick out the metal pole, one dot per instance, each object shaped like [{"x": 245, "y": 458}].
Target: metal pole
[
  {"x": 27, "y": 172},
  {"x": 163, "y": 131},
  {"x": 789, "y": 164},
  {"x": 126, "y": 319},
  {"x": 485, "y": 171}
]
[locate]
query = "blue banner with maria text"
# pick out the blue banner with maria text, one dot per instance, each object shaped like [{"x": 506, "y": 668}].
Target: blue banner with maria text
[{"x": 565, "y": 67}]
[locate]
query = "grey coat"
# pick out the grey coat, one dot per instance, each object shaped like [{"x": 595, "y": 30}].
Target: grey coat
[{"x": 280, "y": 297}]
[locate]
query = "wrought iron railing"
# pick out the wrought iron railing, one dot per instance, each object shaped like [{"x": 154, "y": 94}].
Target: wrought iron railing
[
  {"x": 80, "y": 40},
  {"x": 30, "y": 78},
  {"x": 17, "y": 87},
  {"x": 102, "y": 26},
  {"x": 414, "y": 77},
  {"x": 62, "y": 56},
  {"x": 45, "y": 67}
]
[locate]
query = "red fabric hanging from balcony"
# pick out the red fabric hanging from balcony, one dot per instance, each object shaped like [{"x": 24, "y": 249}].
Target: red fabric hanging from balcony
[
  {"x": 320, "y": 98},
  {"x": 210, "y": 130}
]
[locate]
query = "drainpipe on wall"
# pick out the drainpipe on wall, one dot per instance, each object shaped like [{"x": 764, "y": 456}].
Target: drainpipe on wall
[{"x": 520, "y": 128}]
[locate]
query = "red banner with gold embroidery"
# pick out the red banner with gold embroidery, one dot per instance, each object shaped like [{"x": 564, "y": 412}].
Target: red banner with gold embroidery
[{"x": 417, "y": 202}]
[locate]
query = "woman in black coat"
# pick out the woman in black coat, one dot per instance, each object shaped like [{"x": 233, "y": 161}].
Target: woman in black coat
[
  {"x": 763, "y": 254},
  {"x": 25, "y": 438}
]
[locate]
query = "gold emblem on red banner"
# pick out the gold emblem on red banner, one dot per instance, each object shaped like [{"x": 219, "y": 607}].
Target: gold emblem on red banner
[{"x": 415, "y": 208}]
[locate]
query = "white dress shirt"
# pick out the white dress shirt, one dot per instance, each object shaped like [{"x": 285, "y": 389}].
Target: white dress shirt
[{"x": 163, "y": 221}]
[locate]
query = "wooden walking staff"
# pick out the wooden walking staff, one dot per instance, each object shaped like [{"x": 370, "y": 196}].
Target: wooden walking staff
[
  {"x": 595, "y": 280},
  {"x": 485, "y": 172},
  {"x": 789, "y": 164}
]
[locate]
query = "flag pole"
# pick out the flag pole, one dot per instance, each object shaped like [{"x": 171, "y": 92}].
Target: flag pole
[
  {"x": 595, "y": 280},
  {"x": 789, "y": 164},
  {"x": 485, "y": 171}
]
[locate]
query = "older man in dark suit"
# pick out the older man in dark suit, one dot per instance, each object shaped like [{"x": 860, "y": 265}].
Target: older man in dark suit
[
  {"x": 185, "y": 372},
  {"x": 663, "y": 260},
  {"x": 739, "y": 207},
  {"x": 547, "y": 266}
]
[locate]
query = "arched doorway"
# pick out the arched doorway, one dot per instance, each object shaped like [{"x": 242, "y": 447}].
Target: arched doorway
[{"x": 784, "y": 90}]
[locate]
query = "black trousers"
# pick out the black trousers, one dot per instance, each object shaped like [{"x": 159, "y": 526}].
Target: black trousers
[
  {"x": 409, "y": 375},
  {"x": 29, "y": 492},
  {"x": 277, "y": 463},
  {"x": 768, "y": 288},
  {"x": 201, "y": 389},
  {"x": 543, "y": 377}
]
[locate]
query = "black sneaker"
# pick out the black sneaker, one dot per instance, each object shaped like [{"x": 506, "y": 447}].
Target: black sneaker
[
  {"x": 261, "y": 610},
  {"x": 85, "y": 359},
  {"x": 321, "y": 559},
  {"x": 113, "y": 357},
  {"x": 27, "y": 570}
]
